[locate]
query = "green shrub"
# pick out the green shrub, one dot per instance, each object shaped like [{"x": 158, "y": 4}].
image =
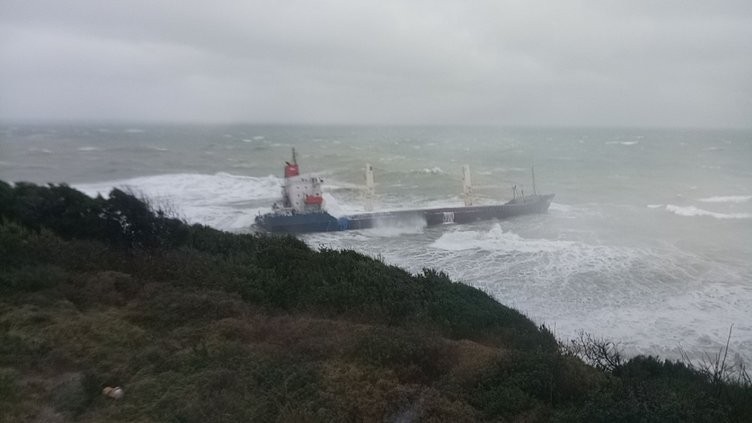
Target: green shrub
[
  {"x": 31, "y": 278},
  {"x": 120, "y": 294},
  {"x": 414, "y": 356},
  {"x": 75, "y": 393},
  {"x": 10, "y": 396},
  {"x": 21, "y": 352},
  {"x": 9, "y": 392}
]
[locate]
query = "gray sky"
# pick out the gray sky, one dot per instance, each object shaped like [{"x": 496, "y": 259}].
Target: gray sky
[{"x": 631, "y": 63}]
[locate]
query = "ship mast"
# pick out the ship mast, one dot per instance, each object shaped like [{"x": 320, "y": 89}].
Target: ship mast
[
  {"x": 369, "y": 193},
  {"x": 532, "y": 171},
  {"x": 467, "y": 186}
]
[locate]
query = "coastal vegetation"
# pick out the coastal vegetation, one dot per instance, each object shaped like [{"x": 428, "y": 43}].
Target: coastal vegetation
[{"x": 198, "y": 325}]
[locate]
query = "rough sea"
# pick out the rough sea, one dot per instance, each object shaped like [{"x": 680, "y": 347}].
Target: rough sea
[{"x": 648, "y": 242}]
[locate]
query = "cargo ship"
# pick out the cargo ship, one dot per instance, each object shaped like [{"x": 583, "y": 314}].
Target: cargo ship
[{"x": 302, "y": 208}]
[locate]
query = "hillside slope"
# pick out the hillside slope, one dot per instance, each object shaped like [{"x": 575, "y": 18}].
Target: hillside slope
[{"x": 201, "y": 325}]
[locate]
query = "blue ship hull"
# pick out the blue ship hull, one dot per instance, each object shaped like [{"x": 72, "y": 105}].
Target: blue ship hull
[{"x": 324, "y": 222}]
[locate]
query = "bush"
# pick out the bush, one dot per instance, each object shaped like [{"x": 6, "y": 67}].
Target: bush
[
  {"x": 415, "y": 357},
  {"x": 122, "y": 219},
  {"x": 31, "y": 278},
  {"x": 10, "y": 409},
  {"x": 118, "y": 293}
]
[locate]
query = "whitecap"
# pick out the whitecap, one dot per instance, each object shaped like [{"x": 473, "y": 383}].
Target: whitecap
[
  {"x": 337, "y": 209},
  {"x": 692, "y": 211},
  {"x": 727, "y": 199},
  {"x": 433, "y": 170},
  {"x": 622, "y": 142},
  {"x": 88, "y": 148},
  {"x": 336, "y": 185},
  {"x": 496, "y": 239},
  {"x": 219, "y": 200},
  {"x": 41, "y": 150},
  {"x": 392, "y": 228},
  {"x": 560, "y": 207}
]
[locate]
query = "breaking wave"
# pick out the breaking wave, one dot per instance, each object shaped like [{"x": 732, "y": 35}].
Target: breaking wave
[
  {"x": 496, "y": 240},
  {"x": 430, "y": 171},
  {"x": 622, "y": 142},
  {"x": 391, "y": 228},
  {"x": 220, "y": 200},
  {"x": 558, "y": 207},
  {"x": 727, "y": 199},
  {"x": 41, "y": 150},
  {"x": 640, "y": 296},
  {"x": 692, "y": 211}
]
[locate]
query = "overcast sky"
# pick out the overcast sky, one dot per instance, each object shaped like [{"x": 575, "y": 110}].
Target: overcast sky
[{"x": 627, "y": 63}]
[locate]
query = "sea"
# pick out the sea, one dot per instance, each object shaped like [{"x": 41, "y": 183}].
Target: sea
[{"x": 648, "y": 242}]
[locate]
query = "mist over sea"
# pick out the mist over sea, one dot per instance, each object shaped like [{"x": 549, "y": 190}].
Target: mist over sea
[{"x": 648, "y": 242}]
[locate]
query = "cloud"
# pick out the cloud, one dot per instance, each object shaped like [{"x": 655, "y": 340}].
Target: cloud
[{"x": 498, "y": 62}]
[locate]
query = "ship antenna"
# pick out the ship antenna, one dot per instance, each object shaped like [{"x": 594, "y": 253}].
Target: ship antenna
[
  {"x": 532, "y": 170},
  {"x": 294, "y": 159}
]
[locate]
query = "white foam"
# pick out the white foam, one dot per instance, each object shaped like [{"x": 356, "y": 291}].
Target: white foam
[
  {"x": 336, "y": 209},
  {"x": 88, "y": 148},
  {"x": 213, "y": 200},
  {"x": 694, "y": 321},
  {"x": 432, "y": 170},
  {"x": 655, "y": 206},
  {"x": 652, "y": 301},
  {"x": 41, "y": 150},
  {"x": 727, "y": 199},
  {"x": 222, "y": 187},
  {"x": 134, "y": 131},
  {"x": 560, "y": 207},
  {"x": 218, "y": 200},
  {"x": 622, "y": 142},
  {"x": 496, "y": 240},
  {"x": 392, "y": 228},
  {"x": 335, "y": 185},
  {"x": 692, "y": 211}
]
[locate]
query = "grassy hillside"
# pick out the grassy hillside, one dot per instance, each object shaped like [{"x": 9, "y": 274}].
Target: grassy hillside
[{"x": 201, "y": 325}]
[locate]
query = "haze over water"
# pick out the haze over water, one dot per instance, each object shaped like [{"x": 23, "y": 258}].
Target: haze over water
[{"x": 648, "y": 242}]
